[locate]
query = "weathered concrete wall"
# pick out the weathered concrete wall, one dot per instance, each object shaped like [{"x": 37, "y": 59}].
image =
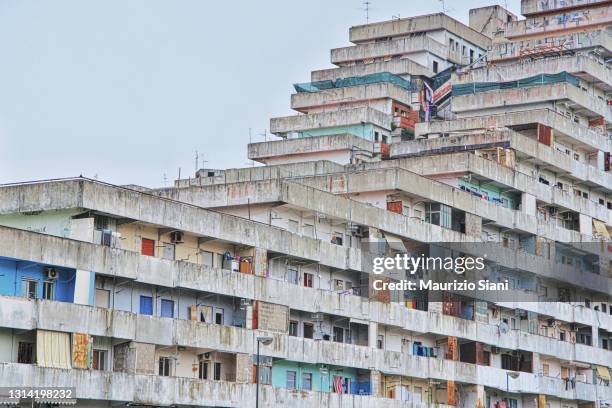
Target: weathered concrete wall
[
  {"x": 405, "y": 26},
  {"x": 351, "y": 94},
  {"x": 344, "y": 117},
  {"x": 594, "y": 69},
  {"x": 533, "y": 95},
  {"x": 120, "y": 387},
  {"x": 340, "y": 142},
  {"x": 397, "y": 67},
  {"x": 58, "y": 316},
  {"x": 401, "y": 46},
  {"x": 581, "y": 133},
  {"x": 470, "y": 163}
]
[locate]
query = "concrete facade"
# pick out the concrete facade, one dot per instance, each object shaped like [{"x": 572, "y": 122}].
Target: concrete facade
[{"x": 160, "y": 296}]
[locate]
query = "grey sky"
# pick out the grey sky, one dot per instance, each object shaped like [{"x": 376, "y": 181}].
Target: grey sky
[{"x": 128, "y": 90}]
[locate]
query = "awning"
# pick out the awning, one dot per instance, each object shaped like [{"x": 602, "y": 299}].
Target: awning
[
  {"x": 53, "y": 349},
  {"x": 601, "y": 229},
  {"x": 395, "y": 242},
  {"x": 603, "y": 372}
]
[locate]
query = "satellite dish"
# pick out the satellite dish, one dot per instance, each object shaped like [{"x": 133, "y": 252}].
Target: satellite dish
[{"x": 503, "y": 328}]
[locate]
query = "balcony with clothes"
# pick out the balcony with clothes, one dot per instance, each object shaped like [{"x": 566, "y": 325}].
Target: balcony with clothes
[{"x": 320, "y": 377}]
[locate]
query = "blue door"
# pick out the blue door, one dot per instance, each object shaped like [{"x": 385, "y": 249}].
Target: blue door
[
  {"x": 167, "y": 308},
  {"x": 146, "y": 305}
]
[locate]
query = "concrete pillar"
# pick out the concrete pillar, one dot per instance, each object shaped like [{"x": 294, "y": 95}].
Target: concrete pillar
[
  {"x": 244, "y": 368},
  {"x": 536, "y": 366},
  {"x": 481, "y": 396},
  {"x": 372, "y": 334},
  {"x": 249, "y": 317},
  {"x": 528, "y": 204},
  {"x": 376, "y": 383},
  {"x": 600, "y": 160},
  {"x": 595, "y": 336},
  {"x": 473, "y": 225},
  {"x": 586, "y": 224},
  {"x": 84, "y": 287}
]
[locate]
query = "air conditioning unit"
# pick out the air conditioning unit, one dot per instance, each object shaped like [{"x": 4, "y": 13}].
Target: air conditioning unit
[
  {"x": 176, "y": 237},
  {"x": 51, "y": 273}
]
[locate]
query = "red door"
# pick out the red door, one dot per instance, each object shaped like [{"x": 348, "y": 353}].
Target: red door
[{"x": 147, "y": 247}]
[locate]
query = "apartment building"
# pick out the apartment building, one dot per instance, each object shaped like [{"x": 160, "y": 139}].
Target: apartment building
[{"x": 494, "y": 136}]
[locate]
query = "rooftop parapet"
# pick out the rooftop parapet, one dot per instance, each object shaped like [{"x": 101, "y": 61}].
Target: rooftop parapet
[
  {"x": 592, "y": 69},
  {"x": 534, "y": 7},
  {"x": 554, "y": 45},
  {"x": 263, "y": 151},
  {"x": 405, "y": 26},
  {"x": 567, "y": 128},
  {"x": 401, "y": 46},
  {"x": 597, "y": 15},
  {"x": 396, "y": 66},
  {"x": 301, "y": 101},
  {"x": 345, "y": 117},
  {"x": 537, "y": 95}
]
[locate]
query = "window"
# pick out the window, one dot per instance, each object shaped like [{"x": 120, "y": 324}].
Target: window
[
  {"x": 207, "y": 258},
  {"x": 565, "y": 372},
  {"x": 48, "y": 290},
  {"x": 337, "y": 238},
  {"x": 338, "y": 284},
  {"x": 25, "y": 354},
  {"x": 309, "y": 230},
  {"x": 102, "y": 298},
  {"x": 380, "y": 341},
  {"x": 545, "y": 370},
  {"x": 306, "y": 381},
  {"x": 338, "y": 334},
  {"x": 406, "y": 210},
  {"x": 203, "y": 370},
  {"x": 167, "y": 308},
  {"x": 164, "y": 366},
  {"x": 435, "y": 67},
  {"x": 147, "y": 247},
  {"x": 169, "y": 250},
  {"x": 218, "y": 315},
  {"x": 99, "y": 360},
  {"x": 217, "y": 373},
  {"x": 146, "y": 305},
  {"x": 308, "y": 279},
  {"x": 293, "y": 328},
  {"x": 29, "y": 288},
  {"x": 308, "y": 330},
  {"x": 292, "y": 226},
  {"x": 291, "y": 380},
  {"x": 562, "y": 335},
  {"x": 265, "y": 374},
  {"x": 293, "y": 276}
]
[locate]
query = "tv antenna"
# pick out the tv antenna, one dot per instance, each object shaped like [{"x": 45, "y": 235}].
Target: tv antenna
[
  {"x": 366, "y": 8},
  {"x": 443, "y": 3}
]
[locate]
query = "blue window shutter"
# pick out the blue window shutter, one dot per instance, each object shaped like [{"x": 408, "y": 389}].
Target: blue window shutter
[{"x": 146, "y": 305}]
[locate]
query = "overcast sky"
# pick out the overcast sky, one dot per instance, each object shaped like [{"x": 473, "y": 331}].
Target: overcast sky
[{"x": 128, "y": 90}]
